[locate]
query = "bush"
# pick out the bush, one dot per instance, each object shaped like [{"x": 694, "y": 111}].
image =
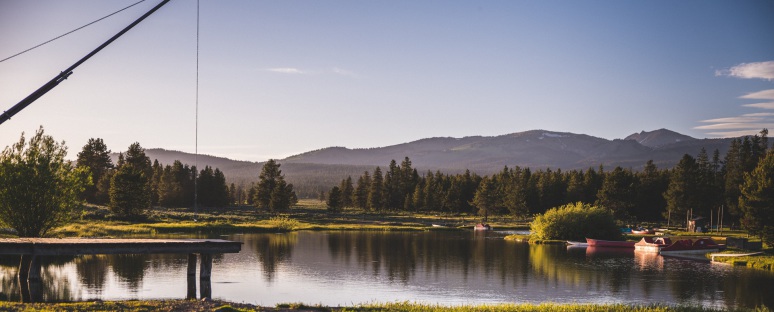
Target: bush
[
  {"x": 283, "y": 223},
  {"x": 575, "y": 222}
]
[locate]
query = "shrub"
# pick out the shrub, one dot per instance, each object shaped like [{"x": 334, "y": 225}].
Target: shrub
[
  {"x": 575, "y": 222},
  {"x": 284, "y": 223}
]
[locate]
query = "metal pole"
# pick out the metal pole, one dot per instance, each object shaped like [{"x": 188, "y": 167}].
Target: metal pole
[{"x": 69, "y": 71}]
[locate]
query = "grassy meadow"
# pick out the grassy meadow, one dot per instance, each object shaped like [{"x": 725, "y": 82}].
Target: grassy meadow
[{"x": 98, "y": 221}]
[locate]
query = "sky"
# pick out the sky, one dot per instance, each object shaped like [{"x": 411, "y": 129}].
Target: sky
[{"x": 280, "y": 78}]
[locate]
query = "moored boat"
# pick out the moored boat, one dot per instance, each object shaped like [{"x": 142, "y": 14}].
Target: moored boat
[
  {"x": 665, "y": 246},
  {"x": 577, "y": 244},
  {"x": 482, "y": 227},
  {"x": 687, "y": 246},
  {"x": 607, "y": 243},
  {"x": 642, "y": 231},
  {"x": 652, "y": 244}
]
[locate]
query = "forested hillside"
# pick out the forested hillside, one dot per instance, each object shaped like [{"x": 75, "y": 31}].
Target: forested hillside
[{"x": 316, "y": 171}]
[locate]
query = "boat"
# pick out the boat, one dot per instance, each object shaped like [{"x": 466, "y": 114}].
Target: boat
[
  {"x": 577, "y": 244},
  {"x": 687, "y": 246},
  {"x": 482, "y": 227},
  {"x": 642, "y": 231},
  {"x": 652, "y": 244},
  {"x": 607, "y": 243},
  {"x": 665, "y": 246}
]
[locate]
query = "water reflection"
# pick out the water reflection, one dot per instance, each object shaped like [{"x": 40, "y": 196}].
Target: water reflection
[
  {"x": 272, "y": 250},
  {"x": 53, "y": 284},
  {"x": 342, "y": 268}
]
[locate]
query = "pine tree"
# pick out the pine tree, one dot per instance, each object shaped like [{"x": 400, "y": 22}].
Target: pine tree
[
  {"x": 334, "y": 200},
  {"x": 393, "y": 196},
  {"x": 757, "y": 200},
  {"x": 347, "y": 192},
  {"x": 575, "y": 187},
  {"x": 681, "y": 195},
  {"x": 272, "y": 192},
  {"x": 515, "y": 197},
  {"x": 618, "y": 193},
  {"x": 158, "y": 171},
  {"x": 650, "y": 203},
  {"x": 408, "y": 181},
  {"x": 131, "y": 184},
  {"x": 418, "y": 197},
  {"x": 733, "y": 173},
  {"x": 233, "y": 198},
  {"x": 486, "y": 198},
  {"x": 206, "y": 185},
  {"x": 222, "y": 192},
  {"x": 95, "y": 157},
  {"x": 376, "y": 191}
]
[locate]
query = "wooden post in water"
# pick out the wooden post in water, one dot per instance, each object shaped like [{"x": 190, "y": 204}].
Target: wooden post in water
[
  {"x": 205, "y": 272},
  {"x": 24, "y": 267},
  {"x": 30, "y": 285},
  {"x": 34, "y": 270},
  {"x": 29, "y": 268},
  {"x": 191, "y": 264},
  {"x": 191, "y": 277}
]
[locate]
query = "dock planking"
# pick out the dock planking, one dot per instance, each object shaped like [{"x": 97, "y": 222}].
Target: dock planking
[{"x": 99, "y": 246}]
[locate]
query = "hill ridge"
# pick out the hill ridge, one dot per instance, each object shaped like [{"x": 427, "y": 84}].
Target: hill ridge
[{"x": 535, "y": 149}]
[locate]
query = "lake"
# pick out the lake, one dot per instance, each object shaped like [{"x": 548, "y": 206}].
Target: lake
[{"x": 346, "y": 268}]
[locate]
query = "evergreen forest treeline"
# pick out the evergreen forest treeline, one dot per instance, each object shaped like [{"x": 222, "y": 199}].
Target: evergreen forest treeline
[
  {"x": 134, "y": 185},
  {"x": 701, "y": 183}
]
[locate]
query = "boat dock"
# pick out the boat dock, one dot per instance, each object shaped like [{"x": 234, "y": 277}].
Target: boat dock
[{"x": 31, "y": 249}]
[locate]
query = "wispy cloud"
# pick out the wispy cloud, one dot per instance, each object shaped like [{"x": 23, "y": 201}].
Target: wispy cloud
[
  {"x": 746, "y": 124},
  {"x": 288, "y": 70},
  {"x": 760, "y": 95},
  {"x": 344, "y": 72},
  {"x": 297, "y": 71},
  {"x": 735, "y": 134},
  {"x": 739, "y": 119},
  {"x": 759, "y": 115},
  {"x": 757, "y": 70},
  {"x": 736, "y": 126},
  {"x": 769, "y": 105},
  {"x": 751, "y": 123}
]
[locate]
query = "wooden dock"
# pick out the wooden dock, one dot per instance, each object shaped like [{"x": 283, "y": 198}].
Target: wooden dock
[
  {"x": 104, "y": 246},
  {"x": 31, "y": 249}
]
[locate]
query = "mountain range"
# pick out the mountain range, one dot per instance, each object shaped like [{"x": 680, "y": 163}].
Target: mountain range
[{"x": 535, "y": 149}]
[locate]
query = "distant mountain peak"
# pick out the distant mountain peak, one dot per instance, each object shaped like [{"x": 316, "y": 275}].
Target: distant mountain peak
[{"x": 658, "y": 138}]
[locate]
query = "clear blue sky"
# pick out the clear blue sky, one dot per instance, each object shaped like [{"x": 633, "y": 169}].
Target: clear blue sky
[{"x": 278, "y": 78}]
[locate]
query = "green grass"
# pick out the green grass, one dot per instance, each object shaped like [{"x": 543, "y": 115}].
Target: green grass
[
  {"x": 98, "y": 221},
  {"x": 761, "y": 262},
  {"x": 193, "y": 305}
]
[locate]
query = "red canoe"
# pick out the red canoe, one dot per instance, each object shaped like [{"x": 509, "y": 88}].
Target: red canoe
[{"x": 606, "y": 243}]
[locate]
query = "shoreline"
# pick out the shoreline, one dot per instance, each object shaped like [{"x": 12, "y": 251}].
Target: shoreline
[{"x": 217, "y": 305}]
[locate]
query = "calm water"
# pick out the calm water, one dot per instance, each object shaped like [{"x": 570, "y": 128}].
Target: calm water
[{"x": 345, "y": 268}]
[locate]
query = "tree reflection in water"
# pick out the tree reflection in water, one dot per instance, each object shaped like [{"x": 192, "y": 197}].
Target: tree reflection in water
[
  {"x": 272, "y": 250},
  {"x": 92, "y": 271},
  {"x": 460, "y": 267},
  {"x": 54, "y": 284}
]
